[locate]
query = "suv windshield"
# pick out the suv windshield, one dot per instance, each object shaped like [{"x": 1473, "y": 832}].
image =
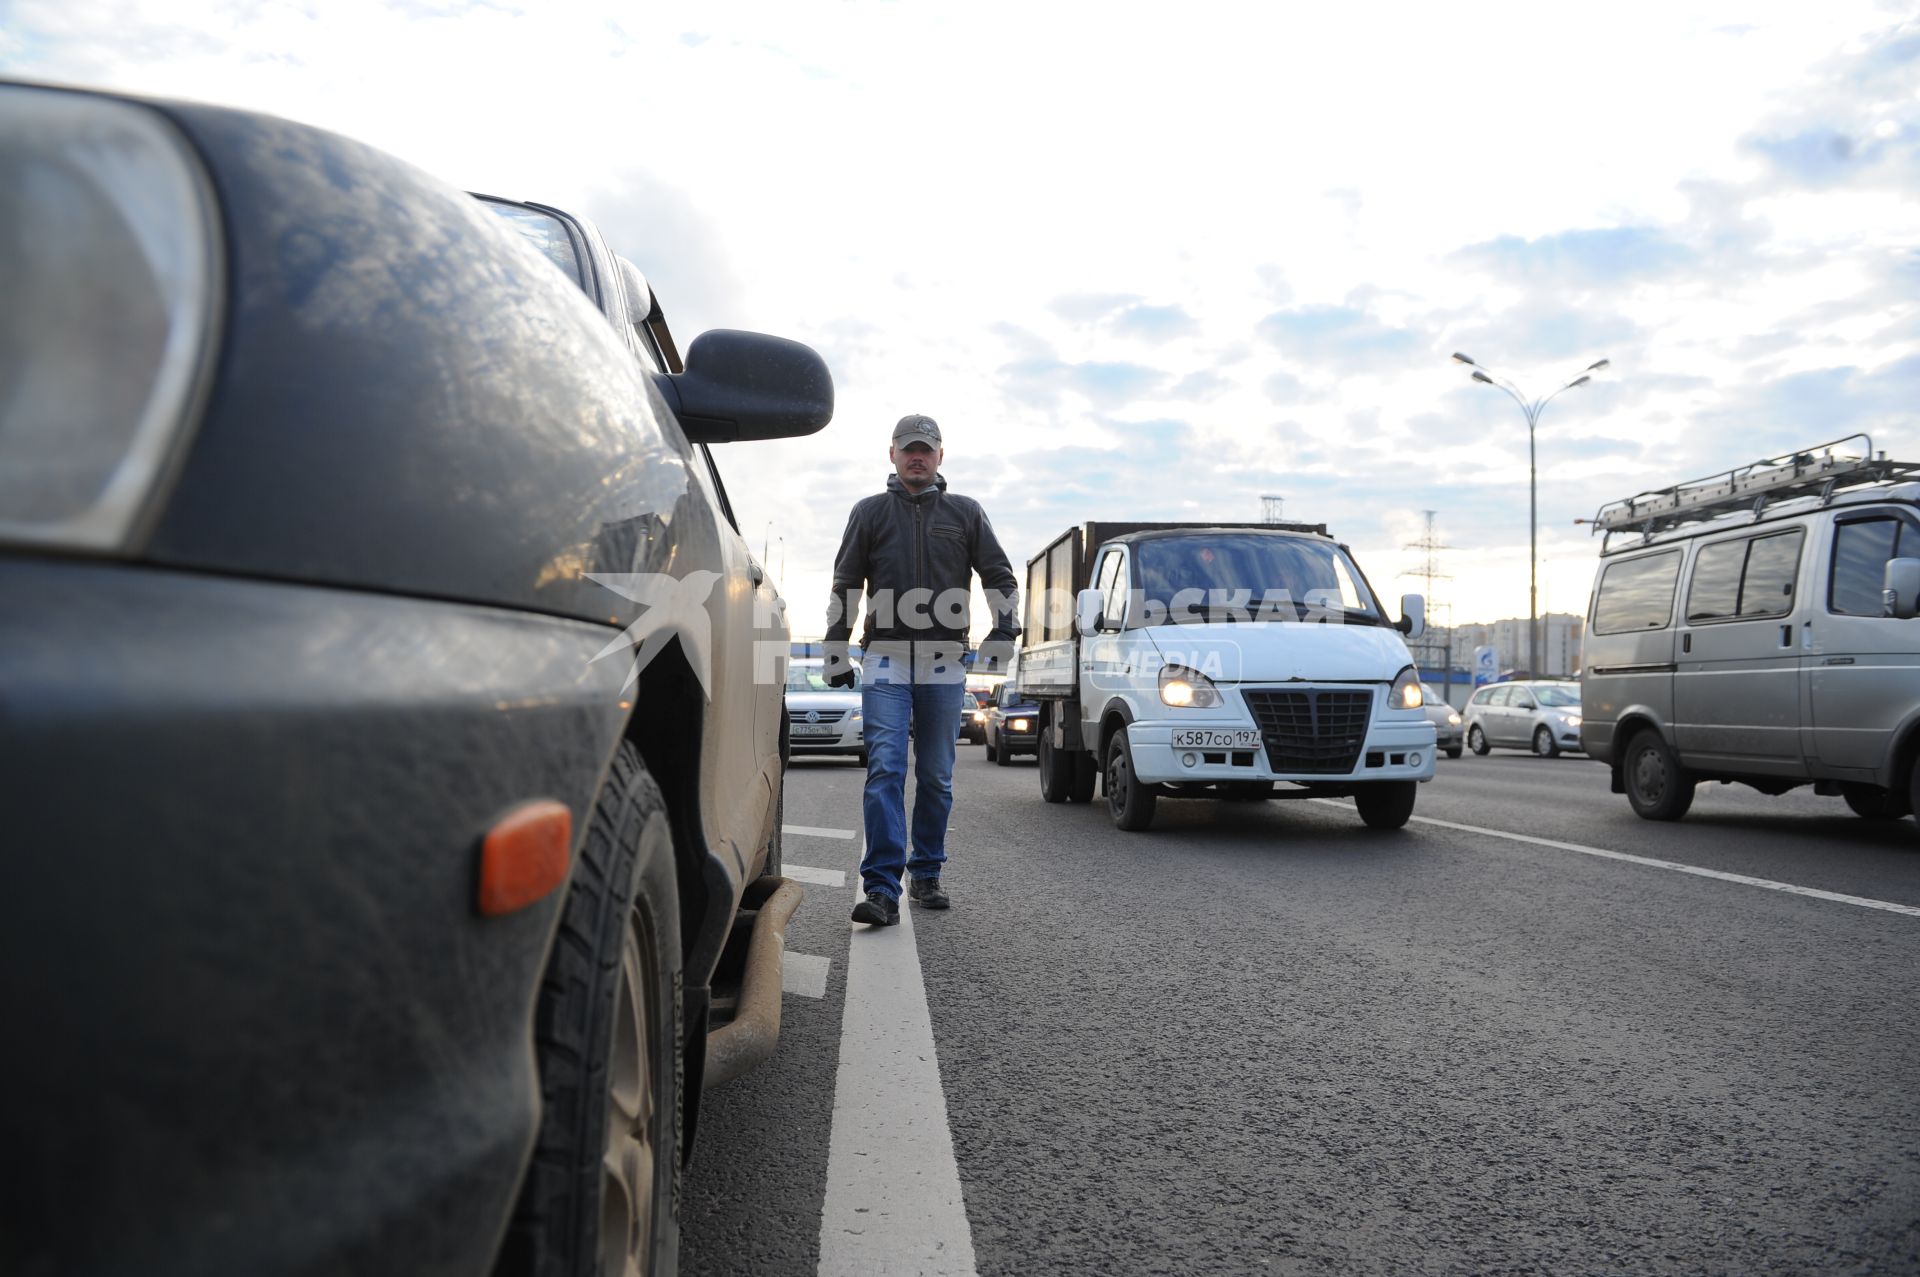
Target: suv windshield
[
  {"x": 1557, "y": 695},
  {"x": 546, "y": 233},
  {"x": 1246, "y": 577}
]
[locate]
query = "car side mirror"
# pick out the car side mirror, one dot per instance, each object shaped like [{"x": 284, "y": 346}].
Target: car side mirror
[
  {"x": 1086, "y": 613},
  {"x": 740, "y": 385},
  {"x": 1901, "y": 593},
  {"x": 1413, "y": 615}
]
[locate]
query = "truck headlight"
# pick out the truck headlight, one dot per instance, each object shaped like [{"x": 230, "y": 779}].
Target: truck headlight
[
  {"x": 109, "y": 246},
  {"x": 1185, "y": 688},
  {"x": 1406, "y": 692}
]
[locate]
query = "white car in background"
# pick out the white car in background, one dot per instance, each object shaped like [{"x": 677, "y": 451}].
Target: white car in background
[
  {"x": 1540, "y": 715},
  {"x": 823, "y": 719}
]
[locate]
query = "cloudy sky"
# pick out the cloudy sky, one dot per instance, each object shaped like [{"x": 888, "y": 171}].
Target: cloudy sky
[{"x": 1162, "y": 261}]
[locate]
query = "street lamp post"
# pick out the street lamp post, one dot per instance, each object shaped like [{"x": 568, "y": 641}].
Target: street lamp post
[{"x": 1532, "y": 408}]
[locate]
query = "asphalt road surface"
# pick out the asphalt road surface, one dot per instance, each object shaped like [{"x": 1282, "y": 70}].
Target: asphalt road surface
[{"x": 1530, "y": 1033}]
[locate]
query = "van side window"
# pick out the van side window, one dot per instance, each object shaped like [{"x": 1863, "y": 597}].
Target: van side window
[
  {"x": 1751, "y": 577},
  {"x": 1772, "y": 564},
  {"x": 1714, "y": 593},
  {"x": 1860, "y": 553},
  {"x": 1636, "y": 594}
]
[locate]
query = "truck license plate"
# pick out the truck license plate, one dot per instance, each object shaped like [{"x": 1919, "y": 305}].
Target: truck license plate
[{"x": 1213, "y": 738}]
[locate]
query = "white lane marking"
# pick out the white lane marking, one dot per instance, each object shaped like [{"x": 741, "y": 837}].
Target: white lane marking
[
  {"x": 820, "y": 877},
  {"x": 804, "y": 974},
  {"x": 893, "y": 1189},
  {"x": 1911, "y": 911},
  {"x": 814, "y": 831}
]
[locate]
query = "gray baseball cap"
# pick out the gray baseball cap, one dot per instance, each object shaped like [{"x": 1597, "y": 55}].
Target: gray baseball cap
[{"x": 917, "y": 429}]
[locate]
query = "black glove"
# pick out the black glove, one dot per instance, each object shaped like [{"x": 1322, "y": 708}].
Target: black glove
[
  {"x": 838, "y": 666},
  {"x": 995, "y": 654}
]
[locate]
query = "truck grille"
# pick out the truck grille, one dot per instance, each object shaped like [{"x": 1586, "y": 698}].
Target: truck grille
[{"x": 1312, "y": 732}]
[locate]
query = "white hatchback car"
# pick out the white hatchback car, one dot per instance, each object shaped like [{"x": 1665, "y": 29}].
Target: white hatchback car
[
  {"x": 823, "y": 719},
  {"x": 1541, "y": 716}
]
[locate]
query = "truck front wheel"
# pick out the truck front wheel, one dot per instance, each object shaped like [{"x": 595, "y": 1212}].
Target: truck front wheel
[
  {"x": 602, "y": 1181},
  {"x": 1129, "y": 801},
  {"x": 1386, "y": 804},
  {"x": 1056, "y": 769}
]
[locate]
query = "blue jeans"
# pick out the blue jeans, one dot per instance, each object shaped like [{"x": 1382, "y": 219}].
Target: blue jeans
[{"x": 894, "y": 705}]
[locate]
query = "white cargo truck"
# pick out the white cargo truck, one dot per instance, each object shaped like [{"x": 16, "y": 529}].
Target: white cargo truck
[{"x": 1220, "y": 661}]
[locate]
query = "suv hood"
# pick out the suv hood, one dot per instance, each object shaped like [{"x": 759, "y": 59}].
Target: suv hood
[{"x": 1278, "y": 652}]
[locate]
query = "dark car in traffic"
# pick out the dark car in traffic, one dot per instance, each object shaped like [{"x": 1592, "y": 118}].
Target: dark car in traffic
[
  {"x": 384, "y": 764},
  {"x": 1013, "y": 724}
]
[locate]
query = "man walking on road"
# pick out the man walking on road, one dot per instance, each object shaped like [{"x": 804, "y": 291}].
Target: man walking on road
[{"x": 914, "y": 549}]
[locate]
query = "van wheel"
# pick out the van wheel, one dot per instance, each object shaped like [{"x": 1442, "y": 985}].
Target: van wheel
[
  {"x": 992, "y": 753},
  {"x": 1386, "y": 804},
  {"x": 603, "y": 1177},
  {"x": 1129, "y": 802},
  {"x": 1657, "y": 786},
  {"x": 1876, "y": 803},
  {"x": 1477, "y": 740},
  {"x": 1543, "y": 746}
]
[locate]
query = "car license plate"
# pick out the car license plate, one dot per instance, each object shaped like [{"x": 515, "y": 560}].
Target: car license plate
[
  {"x": 816, "y": 729},
  {"x": 1214, "y": 738}
]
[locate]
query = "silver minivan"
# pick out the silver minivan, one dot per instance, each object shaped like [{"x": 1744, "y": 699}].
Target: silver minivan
[{"x": 1758, "y": 626}]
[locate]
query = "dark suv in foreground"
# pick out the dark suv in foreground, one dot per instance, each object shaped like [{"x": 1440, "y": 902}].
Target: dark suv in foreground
[{"x": 385, "y": 759}]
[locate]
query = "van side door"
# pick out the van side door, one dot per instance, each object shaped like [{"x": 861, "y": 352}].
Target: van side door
[
  {"x": 1736, "y": 687},
  {"x": 1862, "y": 668}
]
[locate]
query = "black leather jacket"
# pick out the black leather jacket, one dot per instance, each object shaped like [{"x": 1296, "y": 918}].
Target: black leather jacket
[{"x": 899, "y": 542}]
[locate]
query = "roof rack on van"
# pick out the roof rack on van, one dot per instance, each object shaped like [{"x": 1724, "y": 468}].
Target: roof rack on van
[{"x": 1821, "y": 469}]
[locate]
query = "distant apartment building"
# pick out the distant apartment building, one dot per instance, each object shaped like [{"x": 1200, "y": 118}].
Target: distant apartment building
[{"x": 1560, "y": 638}]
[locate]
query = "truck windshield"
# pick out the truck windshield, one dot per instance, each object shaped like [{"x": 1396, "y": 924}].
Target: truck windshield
[{"x": 1247, "y": 577}]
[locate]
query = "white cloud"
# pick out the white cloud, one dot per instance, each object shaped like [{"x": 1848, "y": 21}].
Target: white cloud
[{"x": 1111, "y": 204}]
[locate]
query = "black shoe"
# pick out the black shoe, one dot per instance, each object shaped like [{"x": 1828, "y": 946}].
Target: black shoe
[
  {"x": 877, "y": 910},
  {"x": 926, "y": 893}
]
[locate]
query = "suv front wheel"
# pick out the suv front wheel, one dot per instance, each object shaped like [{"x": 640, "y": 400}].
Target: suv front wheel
[{"x": 1657, "y": 786}]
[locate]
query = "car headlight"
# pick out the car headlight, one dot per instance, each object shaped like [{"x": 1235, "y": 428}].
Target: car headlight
[
  {"x": 1572, "y": 720},
  {"x": 1453, "y": 719},
  {"x": 1185, "y": 688},
  {"x": 109, "y": 245},
  {"x": 1406, "y": 692}
]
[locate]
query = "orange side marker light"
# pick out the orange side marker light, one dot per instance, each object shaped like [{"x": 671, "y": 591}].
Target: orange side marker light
[{"x": 524, "y": 856}]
